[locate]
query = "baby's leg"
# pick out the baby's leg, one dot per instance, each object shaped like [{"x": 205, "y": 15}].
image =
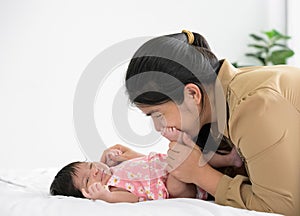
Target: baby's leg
[
  {"x": 231, "y": 159},
  {"x": 179, "y": 189},
  {"x": 235, "y": 158}
]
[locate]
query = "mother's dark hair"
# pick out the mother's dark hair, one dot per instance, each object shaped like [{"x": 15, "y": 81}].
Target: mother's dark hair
[{"x": 161, "y": 68}]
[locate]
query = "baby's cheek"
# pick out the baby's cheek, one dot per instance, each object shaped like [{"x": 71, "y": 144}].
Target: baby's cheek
[{"x": 91, "y": 182}]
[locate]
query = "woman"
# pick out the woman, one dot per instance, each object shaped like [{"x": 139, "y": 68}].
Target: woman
[{"x": 176, "y": 80}]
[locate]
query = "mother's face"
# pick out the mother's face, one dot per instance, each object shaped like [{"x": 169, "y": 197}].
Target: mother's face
[{"x": 184, "y": 117}]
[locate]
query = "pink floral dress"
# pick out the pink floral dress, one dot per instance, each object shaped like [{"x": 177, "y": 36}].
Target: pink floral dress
[{"x": 144, "y": 176}]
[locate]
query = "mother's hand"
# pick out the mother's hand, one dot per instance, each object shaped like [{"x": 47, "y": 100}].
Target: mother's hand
[
  {"x": 186, "y": 163},
  {"x": 184, "y": 159}
]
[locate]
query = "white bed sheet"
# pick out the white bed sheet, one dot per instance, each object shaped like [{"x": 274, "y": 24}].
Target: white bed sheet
[{"x": 26, "y": 194}]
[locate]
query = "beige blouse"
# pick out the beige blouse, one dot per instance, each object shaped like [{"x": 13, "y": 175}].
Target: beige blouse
[{"x": 264, "y": 125}]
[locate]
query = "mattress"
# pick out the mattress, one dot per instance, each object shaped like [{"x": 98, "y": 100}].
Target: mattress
[{"x": 26, "y": 193}]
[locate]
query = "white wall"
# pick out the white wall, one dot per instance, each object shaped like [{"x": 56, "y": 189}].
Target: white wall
[
  {"x": 293, "y": 30},
  {"x": 46, "y": 45}
]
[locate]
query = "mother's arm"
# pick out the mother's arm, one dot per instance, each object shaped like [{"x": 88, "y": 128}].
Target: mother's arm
[
  {"x": 265, "y": 128},
  {"x": 269, "y": 140},
  {"x": 186, "y": 165}
]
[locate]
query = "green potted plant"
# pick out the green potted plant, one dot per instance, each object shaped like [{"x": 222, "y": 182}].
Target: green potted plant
[{"x": 271, "y": 48}]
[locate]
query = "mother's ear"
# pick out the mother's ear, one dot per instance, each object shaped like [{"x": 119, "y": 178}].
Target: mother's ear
[{"x": 192, "y": 91}]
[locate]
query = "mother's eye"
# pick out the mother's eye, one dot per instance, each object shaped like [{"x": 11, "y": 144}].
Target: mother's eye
[{"x": 157, "y": 115}]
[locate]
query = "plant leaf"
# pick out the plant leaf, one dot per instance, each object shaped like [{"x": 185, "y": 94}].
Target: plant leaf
[
  {"x": 274, "y": 35},
  {"x": 280, "y": 37},
  {"x": 235, "y": 64},
  {"x": 280, "y": 45},
  {"x": 257, "y": 56},
  {"x": 269, "y": 50},
  {"x": 258, "y": 46},
  {"x": 258, "y": 38},
  {"x": 271, "y": 34},
  {"x": 280, "y": 56}
]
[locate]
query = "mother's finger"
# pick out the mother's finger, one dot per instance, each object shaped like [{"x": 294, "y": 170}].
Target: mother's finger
[{"x": 172, "y": 144}]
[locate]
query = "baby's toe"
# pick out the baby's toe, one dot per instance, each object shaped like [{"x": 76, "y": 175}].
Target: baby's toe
[{"x": 172, "y": 134}]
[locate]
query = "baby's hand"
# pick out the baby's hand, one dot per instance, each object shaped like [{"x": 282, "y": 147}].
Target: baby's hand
[
  {"x": 121, "y": 153},
  {"x": 96, "y": 191},
  {"x": 110, "y": 156}
]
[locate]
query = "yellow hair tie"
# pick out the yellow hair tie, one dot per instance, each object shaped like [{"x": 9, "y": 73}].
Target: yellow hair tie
[{"x": 190, "y": 36}]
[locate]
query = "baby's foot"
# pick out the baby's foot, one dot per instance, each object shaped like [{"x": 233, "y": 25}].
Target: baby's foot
[
  {"x": 172, "y": 134},
  {"x": 236, "y": 160}
]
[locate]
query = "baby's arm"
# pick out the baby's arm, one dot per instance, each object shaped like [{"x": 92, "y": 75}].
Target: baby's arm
[
  {"x": 98, "y": 192},
  {"x": 179, "y": 189},
  {"x": 117, "y": 154}
]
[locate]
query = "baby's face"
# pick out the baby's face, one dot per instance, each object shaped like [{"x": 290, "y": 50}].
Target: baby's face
[{"x": 89, "y": 173}]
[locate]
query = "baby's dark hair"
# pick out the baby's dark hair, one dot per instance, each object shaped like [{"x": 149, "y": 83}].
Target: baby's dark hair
[{"x": 63, "y": 183}]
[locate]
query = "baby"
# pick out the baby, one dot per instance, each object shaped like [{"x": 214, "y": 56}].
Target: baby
[
  {"x": 138, "y": 179},
  {"x": 142, "y": 177}
]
